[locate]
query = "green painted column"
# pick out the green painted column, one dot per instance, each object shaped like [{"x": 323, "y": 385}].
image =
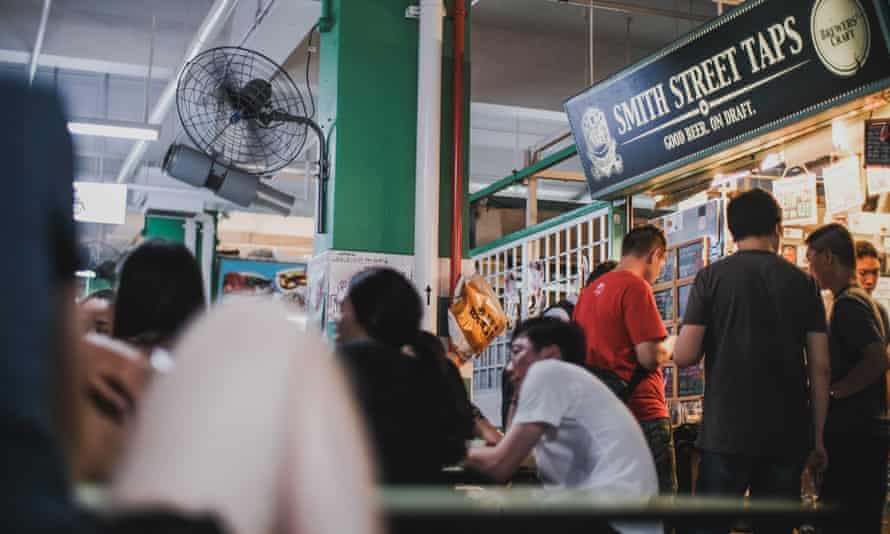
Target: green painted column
[{"x": 368, "y": 107}]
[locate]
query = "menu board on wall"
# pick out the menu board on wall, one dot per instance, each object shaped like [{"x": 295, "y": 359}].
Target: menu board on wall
[
  {"x": 877, "y": 143},
  {"x": 843, "y": 188},
  {"x": 664, "y": 300},
  {"x": 682, "y": 298},
  {"x": 667, "y": 273},
  {"x": 692, "y": 259},
  {"x": 798, "y": 199},
  {"x": 691, "y": 381}
]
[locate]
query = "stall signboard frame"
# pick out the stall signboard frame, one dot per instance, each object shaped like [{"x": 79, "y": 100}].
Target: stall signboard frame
[{"x": 762, "y": 66}]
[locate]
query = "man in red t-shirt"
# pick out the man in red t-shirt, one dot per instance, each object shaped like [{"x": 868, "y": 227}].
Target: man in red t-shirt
[{"x": 624, "y": 332}]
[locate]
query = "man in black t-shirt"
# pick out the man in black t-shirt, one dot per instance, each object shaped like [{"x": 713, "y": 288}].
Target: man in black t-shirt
[
  {"x": 752, "y": 315},
  {"x": 856, "y": 476}
]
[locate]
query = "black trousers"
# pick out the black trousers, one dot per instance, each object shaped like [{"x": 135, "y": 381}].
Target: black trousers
[{"x": 856, "y": 480}]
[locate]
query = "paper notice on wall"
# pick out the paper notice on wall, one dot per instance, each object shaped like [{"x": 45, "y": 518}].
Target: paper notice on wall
[
  {"x": 797, "y": 197},
  {"x": 878, "y": 180},
  {"x": 843, "y": 188},
  {"x": 882, "y": 289}
]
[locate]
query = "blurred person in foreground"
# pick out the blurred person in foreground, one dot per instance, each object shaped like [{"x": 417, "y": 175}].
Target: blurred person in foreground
[
  {"x": 759, "y": 323},
  {"x": 97, "y": 310},
  {"x": 39, "y": 407},
  {"x": 159, "y": 291},
  {"x": 255, "y": 427},
  {"x": 857, "y": 445},
  {"x": 397, "y": 376},
  {"x": 582, "y": 435},
  {"x": 627, "y": 342}
]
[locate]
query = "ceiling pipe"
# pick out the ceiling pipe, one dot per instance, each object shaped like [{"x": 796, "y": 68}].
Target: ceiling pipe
[
  {"x": 621, "y": 7},
  {"x": 38, "y": 43},
  {"x": 210, "y": 26}
]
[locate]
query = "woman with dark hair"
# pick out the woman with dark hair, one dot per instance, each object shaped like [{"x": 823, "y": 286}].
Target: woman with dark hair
[
  {"x": 396, "y": 372},
  {"x": 159, "y": 290}
]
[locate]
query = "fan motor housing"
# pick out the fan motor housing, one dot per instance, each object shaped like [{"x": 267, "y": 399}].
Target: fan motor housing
[{"x": 194, "y": 168}]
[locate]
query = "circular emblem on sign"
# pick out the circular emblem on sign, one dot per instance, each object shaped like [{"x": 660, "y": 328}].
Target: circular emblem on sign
[
  {"x": 601, "y": 146},
  {"x": 841, "y": 34}
]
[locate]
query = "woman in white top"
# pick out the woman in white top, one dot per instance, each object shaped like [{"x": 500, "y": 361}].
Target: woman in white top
[{"x": 253, "y": 426}]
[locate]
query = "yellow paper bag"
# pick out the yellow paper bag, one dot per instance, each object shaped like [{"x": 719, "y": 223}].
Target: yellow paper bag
[{"x": 476, "y": 317}]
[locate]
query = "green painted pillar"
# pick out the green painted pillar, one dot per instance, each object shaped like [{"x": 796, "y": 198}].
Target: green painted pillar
[{"x": 368, "y": 107}]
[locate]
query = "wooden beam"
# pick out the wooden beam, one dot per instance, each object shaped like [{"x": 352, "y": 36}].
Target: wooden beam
[{"x": 563, "y": 176}]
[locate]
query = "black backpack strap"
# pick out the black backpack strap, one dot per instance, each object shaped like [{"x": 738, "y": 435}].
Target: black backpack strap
[{"x": 639, "y": 374}]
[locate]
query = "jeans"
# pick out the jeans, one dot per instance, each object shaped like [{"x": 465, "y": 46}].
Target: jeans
[
  {"x": 660, "y": 438},
  {"x": 856, "y": 480},
  {"x": 730, "y": 475}
]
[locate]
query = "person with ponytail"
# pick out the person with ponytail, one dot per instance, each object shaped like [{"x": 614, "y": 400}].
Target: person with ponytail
[{"x": 396, "y": 372}]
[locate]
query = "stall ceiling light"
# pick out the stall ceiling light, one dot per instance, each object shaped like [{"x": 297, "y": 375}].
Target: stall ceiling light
[{"x": 119, "y": 130}]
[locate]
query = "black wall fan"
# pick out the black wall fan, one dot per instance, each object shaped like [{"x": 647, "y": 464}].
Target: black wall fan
[{"x": 248, "y": 119}]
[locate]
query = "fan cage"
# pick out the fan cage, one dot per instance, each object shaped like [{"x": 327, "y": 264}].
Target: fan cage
[{"x": 206, "y": 98}]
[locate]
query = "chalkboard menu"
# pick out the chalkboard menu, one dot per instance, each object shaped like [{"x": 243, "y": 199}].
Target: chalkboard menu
[
  {"x": 664, "y": 300},
  {"x": 667, "y": 274},
  {"x": 691, "y": 381},
  {"x": 692, "y": 259},
  {"x": 877, "y": 142}
]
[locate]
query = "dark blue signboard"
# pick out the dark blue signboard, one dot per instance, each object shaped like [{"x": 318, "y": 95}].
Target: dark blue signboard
[{"x": 761, "y": 66}]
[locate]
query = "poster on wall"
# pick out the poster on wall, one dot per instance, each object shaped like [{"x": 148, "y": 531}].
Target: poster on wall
[
  {"x": 843, "y": 187},
  {"x": 798, "y": 199},
  {"x": 282, "y": 281},
  {"x": 878, "y": 179},
  {"x": 330, "y": 274}
]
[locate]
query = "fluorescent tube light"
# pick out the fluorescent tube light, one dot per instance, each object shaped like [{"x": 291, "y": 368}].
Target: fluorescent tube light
[{"x": 120, "y": 130}]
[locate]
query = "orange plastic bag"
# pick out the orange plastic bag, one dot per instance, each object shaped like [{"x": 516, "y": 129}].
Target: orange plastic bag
[{"x": 476, "y": 317}]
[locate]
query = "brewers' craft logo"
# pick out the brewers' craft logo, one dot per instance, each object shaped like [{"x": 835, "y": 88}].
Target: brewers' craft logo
[
  {"x": 841, "y": 34},
  {"x": 604, "y": 160}
]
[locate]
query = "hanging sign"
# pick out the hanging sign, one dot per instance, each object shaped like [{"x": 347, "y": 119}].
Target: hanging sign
[
  {"x": 798, "y": 199},
  {"x": 843, "y": 188},
  {"x": 97, "y": 202},
  {"x": 740, "y": 76}
]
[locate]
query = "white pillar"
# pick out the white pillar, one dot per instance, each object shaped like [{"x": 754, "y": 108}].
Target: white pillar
[{"x": 426, "y": 200}]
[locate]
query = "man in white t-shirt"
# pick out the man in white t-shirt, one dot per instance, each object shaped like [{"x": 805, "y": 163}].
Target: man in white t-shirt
[{"x": 583, "y": 436}]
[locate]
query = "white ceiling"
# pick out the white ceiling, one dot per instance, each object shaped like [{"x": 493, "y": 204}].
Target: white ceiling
[{"x": 528, "y": 56}]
